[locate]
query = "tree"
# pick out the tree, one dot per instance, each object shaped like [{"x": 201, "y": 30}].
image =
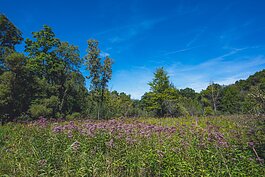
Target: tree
[
  {"x": 118, "y": 104},
  {"x": 42, "y": 52},
  {"x": 160, "y": 82},
  {"x": 55, "y": 65},
  {"x": 65, "y": 73},
  {"x": 231, "y": 100},
  {"x": 211, "y": 96},
  {"x": 10, "y": 36},
  {"x": 99, "y": 73},
  {"x": 162, "y": 98},
  {"x": 256, "y": 98},
  {"x": 188, "y": 93},
  {"x": 15, "y": 84},
  {"x": 192, "y": 106},
  {"x": 215, "y": 90}
]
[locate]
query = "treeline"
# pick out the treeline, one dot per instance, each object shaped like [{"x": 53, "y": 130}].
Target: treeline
[
  {"x": 45, "y": 80},
  {"x": 243, "y": 97}
]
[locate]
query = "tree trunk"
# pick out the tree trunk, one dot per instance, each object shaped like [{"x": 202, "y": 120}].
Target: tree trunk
[
  {"x": 62, "y": 101},
  {"x": 214, "y": 106},
  {"x": 98, "y": 110}
]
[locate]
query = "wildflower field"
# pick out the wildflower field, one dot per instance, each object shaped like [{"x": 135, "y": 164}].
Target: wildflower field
[{"x": 205, "y": 146}]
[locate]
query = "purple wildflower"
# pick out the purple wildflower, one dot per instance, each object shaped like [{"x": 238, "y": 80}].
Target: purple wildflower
[{"x": 251, "y": 144}]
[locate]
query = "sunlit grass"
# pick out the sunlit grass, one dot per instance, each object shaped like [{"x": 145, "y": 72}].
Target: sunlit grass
[{"x": 206, "y": 146}]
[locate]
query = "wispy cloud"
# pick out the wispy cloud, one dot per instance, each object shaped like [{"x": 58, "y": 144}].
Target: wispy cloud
[
  {"x": 196, "y": 37},
  {"x": 214, "y": 62},
  {"x": 180, "y": 50},
  {"x": 219, "y": 69},
  {"x": 186, "y": 48},
  {"x": 126, "y": 32}
]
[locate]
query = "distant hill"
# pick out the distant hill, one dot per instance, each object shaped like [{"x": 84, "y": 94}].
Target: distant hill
[{"x": 257, "y": 79}]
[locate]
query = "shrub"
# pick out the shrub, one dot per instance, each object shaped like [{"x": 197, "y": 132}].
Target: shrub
[
  {"x": 47, "y": 107},
  {"x": 37, "y": 110},
  {"x": 74, "y": 115},
  {"x": 208, "y": 111}
]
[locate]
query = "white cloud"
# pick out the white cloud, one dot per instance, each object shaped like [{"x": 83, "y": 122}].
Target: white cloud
[
  {"x": 133, "y": 81},
  {"x": 219, "y": 70},
  {"x": 180, "y": 50}
]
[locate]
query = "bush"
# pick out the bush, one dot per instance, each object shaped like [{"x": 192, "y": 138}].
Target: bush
[
  {"x": 47, "y": 107},
  {"x": 208, "y": 111},
  {"x": 174, "y": 109},
  {"x": 37, "y": 110},
  {"x": 74, "y": 115}
]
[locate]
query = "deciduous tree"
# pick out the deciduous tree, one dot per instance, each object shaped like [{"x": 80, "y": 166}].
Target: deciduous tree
[{"x": 99, "y": 74}]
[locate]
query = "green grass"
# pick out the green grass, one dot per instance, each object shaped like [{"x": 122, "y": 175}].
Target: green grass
[{"x": 192, "y": 150}]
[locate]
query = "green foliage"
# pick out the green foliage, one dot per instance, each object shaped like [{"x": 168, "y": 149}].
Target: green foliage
[
  {"x": 256, "y": 97},
  {"x": 232, "y": 100},
  {"x": 93, "y": 64},
  {"x": 192, "y": 106},
  {"x": 212, "y": 96},
  {"x": 160, "y": 82},
  {"x": 55, "y": 65},
  {"x": 47, "y": 107},
  {"x": 16, "y": 81},
  {"x": 5, "y": 93},
  {"x": 188, "y": 93},
  {"x": 175, "y": 108},
  {"x": 10, "y": 36},
  {"x": 165, "y": 100},
  {"x": 118, "y": 105},
  {"x": 99, "y": 74},
  {"x": 162, "y": 98},
  {"x": 73, "y": 116},
  {"x": 38, "y": 110},
  {"x": 208, "y": 111},
  {"x": 48, "y": 81},
  {"x": 245, "y": 96}
]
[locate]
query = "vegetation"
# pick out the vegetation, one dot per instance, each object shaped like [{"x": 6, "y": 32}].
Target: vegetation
[
  {"x": 220, "y": 146},
  {"x": 47, "y": 81},
  {"x": 56, "y": 132}
]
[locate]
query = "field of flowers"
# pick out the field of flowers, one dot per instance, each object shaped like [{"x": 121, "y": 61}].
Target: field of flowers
[{"x": 207, "y": 146}]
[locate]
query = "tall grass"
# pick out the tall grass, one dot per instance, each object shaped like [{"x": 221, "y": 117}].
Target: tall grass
[{"x": 210, "y": 146}]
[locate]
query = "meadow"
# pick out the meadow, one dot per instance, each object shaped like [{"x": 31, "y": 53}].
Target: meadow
[{"x": 204, "y": 146}]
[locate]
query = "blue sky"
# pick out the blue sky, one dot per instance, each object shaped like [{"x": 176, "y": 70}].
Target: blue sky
[{"x": 195, "y": 41}]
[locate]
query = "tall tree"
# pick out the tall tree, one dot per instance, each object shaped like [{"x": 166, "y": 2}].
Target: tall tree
[
  {"x": 160, "y": 82},
  {"x": 15, "y": 84},
  {"x": 55, "y": 65},
  {"x": 99, "y": 73},
  {"x": 42, "y": 52},
  {"x": 212, "y": 96},
  {"x": 162, "y": 98},
  {"x": 215, "y": 90},
  {"x": 66, "y": 73},
  {"x": 13, "y": 75},
  {"x": 10, "y": 36}
]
